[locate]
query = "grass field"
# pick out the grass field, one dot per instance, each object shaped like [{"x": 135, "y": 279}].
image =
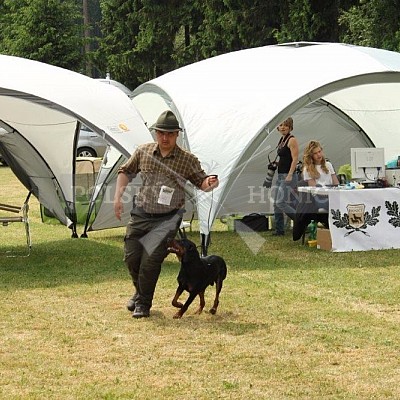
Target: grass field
[{"x": 294, "y": 322}]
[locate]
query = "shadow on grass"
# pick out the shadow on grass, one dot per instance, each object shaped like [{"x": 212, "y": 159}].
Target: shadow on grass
[
  {"x": 100, "y": 259},
  {"x": 63, "y": 262},
  {"x": 224, "y": 322}
]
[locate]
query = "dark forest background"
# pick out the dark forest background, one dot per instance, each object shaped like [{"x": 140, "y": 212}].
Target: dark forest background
[{"x": 137, "y": 40}]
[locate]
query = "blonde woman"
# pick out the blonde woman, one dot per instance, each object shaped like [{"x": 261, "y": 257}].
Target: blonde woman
[{"x": 317, "y": 171}]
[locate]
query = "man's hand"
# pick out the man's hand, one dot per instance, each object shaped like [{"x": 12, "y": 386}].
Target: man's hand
[
  {"x": 122, "y": 181},
  {"x": 118, "y": 208},
  {"x": 210, "y": 182}
]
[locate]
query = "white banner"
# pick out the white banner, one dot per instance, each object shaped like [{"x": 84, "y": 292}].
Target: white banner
[{"x": 364, "y": 219}]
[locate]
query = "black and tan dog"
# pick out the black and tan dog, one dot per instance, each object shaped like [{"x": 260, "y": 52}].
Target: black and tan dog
[{"x": 196, "y": 274}]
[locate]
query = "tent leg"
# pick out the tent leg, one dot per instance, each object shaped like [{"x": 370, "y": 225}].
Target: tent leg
[
  {"x": 74, "y": 233},
  {"x": 205, "y": 242},
  {"x": 84, "y": 233}
]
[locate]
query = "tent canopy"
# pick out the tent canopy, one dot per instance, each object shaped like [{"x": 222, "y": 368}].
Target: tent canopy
[
  {"x": 41, "y": 109},
  {"x": 229, "y": 106}
]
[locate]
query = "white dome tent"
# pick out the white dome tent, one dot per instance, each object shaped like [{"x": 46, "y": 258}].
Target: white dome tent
[
  {"x": 41, "y": 109},
  {"x": 229, "y": 106}
]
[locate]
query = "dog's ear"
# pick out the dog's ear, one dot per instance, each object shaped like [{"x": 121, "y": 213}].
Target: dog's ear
[
  {"x": 190, "y": 245},
  {"x": 194, "y": 249}
]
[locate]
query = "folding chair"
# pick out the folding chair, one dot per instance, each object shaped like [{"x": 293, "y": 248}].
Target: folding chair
[
  {"x": 184, "y": 225},
  {"x": 306, "y": 212},
  {"x": 182, "y": 229},
  {"x": 22, "y": 216}
]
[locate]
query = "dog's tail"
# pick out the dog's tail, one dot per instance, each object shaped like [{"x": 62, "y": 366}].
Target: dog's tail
[{"x": 223, "y": 269}]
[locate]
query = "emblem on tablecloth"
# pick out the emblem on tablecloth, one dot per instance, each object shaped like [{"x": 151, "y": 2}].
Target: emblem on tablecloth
[
  {"x": 356, "y": 215},
  {"x": 356, "y": 219},
  {"x": 393, "y": 212}
]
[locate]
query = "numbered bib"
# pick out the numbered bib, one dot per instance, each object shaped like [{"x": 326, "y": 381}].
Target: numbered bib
[{"x": 165, "y": 195}]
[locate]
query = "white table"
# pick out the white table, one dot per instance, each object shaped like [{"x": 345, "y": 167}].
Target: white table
[{"x": 362, "y": 219}]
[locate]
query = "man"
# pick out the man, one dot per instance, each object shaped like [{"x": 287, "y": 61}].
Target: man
[{"x": 158, "y": 208}]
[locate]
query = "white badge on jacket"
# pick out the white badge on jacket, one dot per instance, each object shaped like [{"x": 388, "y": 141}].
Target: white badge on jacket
[{"x": 165, "y": 195}]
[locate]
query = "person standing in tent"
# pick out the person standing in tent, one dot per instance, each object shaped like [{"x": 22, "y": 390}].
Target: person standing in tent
[
  {"x": 288, "y": 153},
  {"x": 158, "y": 208}
]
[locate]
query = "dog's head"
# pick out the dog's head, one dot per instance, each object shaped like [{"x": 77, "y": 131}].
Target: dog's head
[
  {"x": 181, "y": 248},
  {"x": 176, "y": 247}
]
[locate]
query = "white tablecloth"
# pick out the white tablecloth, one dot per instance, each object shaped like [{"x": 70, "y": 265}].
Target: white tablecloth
[{"x": 363, "y": 219}]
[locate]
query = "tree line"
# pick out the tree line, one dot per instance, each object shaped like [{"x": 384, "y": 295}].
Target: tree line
[{"x": 137, "y": 40}]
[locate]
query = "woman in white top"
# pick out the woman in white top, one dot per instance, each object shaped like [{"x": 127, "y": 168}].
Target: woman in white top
[{"x": 317, "y": 171}]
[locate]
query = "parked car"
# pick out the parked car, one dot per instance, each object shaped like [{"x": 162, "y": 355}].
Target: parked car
[{"x": 90, "y": 144}]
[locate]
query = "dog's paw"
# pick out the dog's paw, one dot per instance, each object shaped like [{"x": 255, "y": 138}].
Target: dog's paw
[
  {"x": 199, "y": 311},
  {"x": 213, "y": 311},
  {"x": 178, "y": 315}
]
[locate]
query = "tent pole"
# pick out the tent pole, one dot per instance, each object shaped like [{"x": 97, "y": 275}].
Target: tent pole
[
  {"x": 74, "y": 233},
  {"x": 205, "y": 241}
]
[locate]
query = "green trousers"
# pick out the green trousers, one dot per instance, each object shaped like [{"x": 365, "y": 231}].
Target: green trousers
[{"x": 144, "y": 251}]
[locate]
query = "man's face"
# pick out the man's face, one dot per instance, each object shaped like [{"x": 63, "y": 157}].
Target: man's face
[{"x": 166, "y": 140}]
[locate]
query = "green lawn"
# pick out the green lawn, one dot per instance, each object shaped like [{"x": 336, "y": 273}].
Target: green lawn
[{"x": 294, "y": 322}]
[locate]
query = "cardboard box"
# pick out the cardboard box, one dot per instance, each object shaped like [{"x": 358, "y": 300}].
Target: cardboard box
[{"x": 324, "y": 240}]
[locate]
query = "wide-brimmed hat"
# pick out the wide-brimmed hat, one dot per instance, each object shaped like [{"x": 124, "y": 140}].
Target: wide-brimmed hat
[{"x": 167, "y": 122}]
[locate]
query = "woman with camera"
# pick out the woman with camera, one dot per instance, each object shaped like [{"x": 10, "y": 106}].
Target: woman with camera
[{"x": 288, "y": 153}]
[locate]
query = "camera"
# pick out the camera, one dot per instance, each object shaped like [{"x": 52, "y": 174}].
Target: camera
[{"x": 270, "y": 175}]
